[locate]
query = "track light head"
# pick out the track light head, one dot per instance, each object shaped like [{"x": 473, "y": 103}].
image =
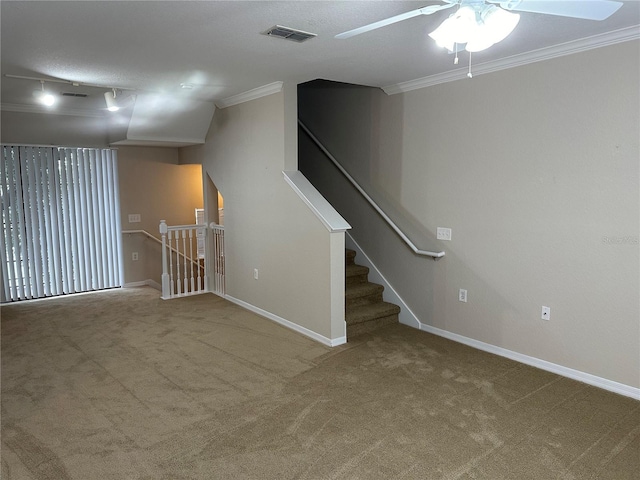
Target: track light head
[
  {"x": 110, "y": 99},
  {"x": 44, "y": 97}
]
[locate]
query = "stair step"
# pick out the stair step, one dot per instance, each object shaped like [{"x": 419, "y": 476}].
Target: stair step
[
  {"x": 365, "y": 310},
  {"x": 366, "y": 327},
  {"x": 367, "y": 313},
  {"x": 356, "y": 274},
  {"x": 350, "y": 256},
  {"x": 363, "y": 293}
]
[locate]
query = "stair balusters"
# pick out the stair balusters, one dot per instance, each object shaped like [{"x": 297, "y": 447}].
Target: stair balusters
[{"x": 184, "y": 274}]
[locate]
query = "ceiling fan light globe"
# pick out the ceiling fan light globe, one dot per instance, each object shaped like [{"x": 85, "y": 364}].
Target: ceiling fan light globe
[
  {"x": 443, "y": 35},
  {"x": 463, "y": 24},
  {"x": 444, "y": 42},
  {"x": 497, "y": 23},
  {"x": 478, "y": 29},
  {"x": 460, "y": 27},
  {"x": 477, "y": 46}
]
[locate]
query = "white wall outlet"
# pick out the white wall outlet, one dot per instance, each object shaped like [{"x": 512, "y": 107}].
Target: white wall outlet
[
  {"x": 134, "y": 256},
  {"x": 255, "y": 273},
  {"x": 462, "y": 295},
  {"x": 443, "y": 233},
  {"x": 134, "y": 218},
  {"x": 546, "y": 313}
]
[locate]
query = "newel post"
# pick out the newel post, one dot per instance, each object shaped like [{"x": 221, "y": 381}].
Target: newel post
[{"x": 166, "y": 293}]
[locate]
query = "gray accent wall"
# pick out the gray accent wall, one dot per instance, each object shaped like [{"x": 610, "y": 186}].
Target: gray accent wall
[{"x": 536, "y": 171}]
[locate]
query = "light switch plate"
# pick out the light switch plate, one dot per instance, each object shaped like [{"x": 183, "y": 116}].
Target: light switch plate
[{"x": 134, "y": 218}]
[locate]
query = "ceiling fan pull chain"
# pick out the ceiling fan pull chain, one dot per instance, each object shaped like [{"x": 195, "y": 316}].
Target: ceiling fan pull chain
[{"x": 470, "y": 75}]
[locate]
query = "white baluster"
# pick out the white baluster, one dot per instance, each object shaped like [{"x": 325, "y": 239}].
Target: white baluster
[
  {"x": 171, "y": 265},
  {"x": 215, "y": 259},
  {"x": 222, "y": 267},
  {"x": 184, "y": 255},
  {"x": 218, "y": 259},
  {"x": 193, "y": 288},
  {"x": 199, "y": 233},
  {"x": 218, "y": 263},
  {"x": 178, "y": 277},
  {"x": 165, "y": 275}
]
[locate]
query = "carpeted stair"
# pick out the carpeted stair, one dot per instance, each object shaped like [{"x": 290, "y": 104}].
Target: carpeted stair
[{"x": 365, "y": 309}]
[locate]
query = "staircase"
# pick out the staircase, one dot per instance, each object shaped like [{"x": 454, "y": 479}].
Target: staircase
[{"x": 365, "y": 309}]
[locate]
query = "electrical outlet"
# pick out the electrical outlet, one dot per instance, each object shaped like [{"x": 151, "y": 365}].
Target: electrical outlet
[
  {"x": 255, "y": 273},
  {"x": 462, "y": 295},
  {"x": 443, "y": 233},
  {"x": 134, "y": 256},
  {"x": 134, "y": 218},
  {"x": 546, "y": 313}
]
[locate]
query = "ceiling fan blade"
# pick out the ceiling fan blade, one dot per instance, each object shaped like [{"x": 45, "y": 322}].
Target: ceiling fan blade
[
  {"x": 398, "y": 18},
  {"x": 585, "y": 9}
]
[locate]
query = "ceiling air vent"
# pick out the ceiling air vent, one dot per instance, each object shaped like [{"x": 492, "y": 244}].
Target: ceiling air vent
[
  {"x": 289, "y": 34},
  {"x": 71, "y": 94}
]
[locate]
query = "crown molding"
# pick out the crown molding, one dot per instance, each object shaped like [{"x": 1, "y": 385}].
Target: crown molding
[
  {"x": 259, "y": 92},
  {"x": 26, "y": 108},
  {"x": 568, "y": 48}
]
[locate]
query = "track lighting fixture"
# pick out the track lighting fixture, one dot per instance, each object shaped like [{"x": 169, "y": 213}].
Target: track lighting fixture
[
  {"x": 113, "y": 105},
  {"x": 110, "y": 98},
  {"x": 44, "y": 97}
]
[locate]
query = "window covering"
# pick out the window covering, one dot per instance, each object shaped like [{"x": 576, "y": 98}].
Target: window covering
[{"x": 61, "y": 221}]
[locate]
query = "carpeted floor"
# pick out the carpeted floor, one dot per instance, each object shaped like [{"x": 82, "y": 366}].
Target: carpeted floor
[{"x": 122, "y": 385}]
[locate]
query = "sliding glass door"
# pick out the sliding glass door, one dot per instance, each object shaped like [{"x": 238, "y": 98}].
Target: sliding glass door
[{"x": 61, "y": 221}]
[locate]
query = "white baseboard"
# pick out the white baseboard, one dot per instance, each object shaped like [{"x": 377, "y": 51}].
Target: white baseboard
[
  {"x": 407, "y": 317},
  {"x": 286, "y": 323},
  {"x": 144, "y": 283},
  {"x": 583, "y": 377}
]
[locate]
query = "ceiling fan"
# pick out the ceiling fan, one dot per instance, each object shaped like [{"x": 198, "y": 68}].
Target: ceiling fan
[{"x": 478, "y": 24}]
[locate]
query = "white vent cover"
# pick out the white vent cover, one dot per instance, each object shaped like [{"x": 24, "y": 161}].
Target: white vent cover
[{"x": 289, "y": 33}]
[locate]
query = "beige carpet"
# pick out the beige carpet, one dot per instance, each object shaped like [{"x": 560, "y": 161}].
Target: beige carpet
[{"x": 122, "y": 385}]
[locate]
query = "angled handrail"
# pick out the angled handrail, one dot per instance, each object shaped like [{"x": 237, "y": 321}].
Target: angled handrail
[
  {"x": 143, "y": 232},
  {"x": 153, "y": 237},
  {"x": 391, "y": 223}
]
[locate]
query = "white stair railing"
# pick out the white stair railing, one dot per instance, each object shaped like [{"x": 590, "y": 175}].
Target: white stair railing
[
  {"x": 183, "y": 274},
  {"x": 218, "y": 286}
]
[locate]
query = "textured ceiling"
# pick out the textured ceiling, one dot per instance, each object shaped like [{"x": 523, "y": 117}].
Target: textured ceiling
[{"x": 216, "y": 45}]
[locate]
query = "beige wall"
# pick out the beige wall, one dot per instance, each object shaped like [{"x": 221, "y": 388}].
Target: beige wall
[
  {"x": 154, "y": 185},
  {"x": 536, "y": 170},
  {"x": 266, "y": 224}
]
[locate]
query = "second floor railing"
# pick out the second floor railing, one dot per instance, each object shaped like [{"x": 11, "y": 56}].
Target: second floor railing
[{"x": 184, "y": 266}]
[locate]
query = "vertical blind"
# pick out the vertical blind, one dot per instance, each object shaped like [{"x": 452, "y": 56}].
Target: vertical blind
[{"x": 61, "y": 221}]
